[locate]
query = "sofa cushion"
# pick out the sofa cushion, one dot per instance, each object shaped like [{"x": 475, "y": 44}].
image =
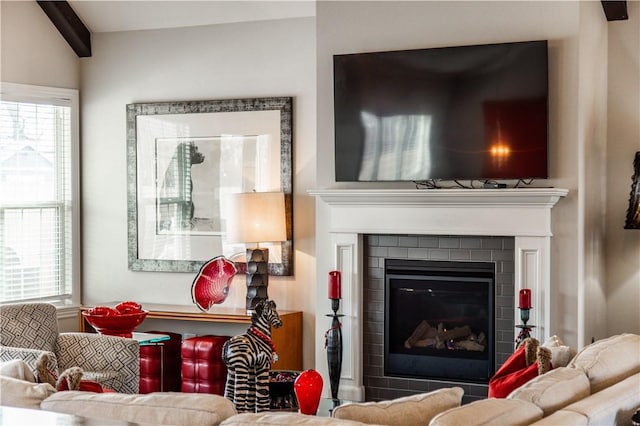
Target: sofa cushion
[
  {"x": 18, "y": 369},
  {"x": 284, "y": 418},
  {"x": 492, "y": 411},
  {"x": 160, "y": 408},
  {"x": 555, "y": 389},
  {"x": 22, "y": 393},
  {"x": 410, "y": 410},
  {"x": 610, "y": 360},
  {"x": 612, "y": 406},
  {"x": 563, "y": 417}
]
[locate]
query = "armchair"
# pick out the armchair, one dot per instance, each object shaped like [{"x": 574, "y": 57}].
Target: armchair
[{"x": 29, "y": 329}]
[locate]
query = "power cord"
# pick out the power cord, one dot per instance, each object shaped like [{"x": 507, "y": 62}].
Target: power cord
[{"x": 486, "y": 184}]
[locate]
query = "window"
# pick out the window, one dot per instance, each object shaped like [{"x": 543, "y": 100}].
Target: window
[{"x": 39, "y": 230}]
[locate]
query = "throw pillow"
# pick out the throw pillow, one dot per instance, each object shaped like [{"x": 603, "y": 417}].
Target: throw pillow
[
  {"x": 70, "y": 379},
  {"x": 527, "y": 362},
  {"x": 561, "y": 354},
  {"x": 410, "y": 410}
]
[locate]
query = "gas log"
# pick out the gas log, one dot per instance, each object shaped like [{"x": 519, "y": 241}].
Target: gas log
[{"x": 439, "y": 337}]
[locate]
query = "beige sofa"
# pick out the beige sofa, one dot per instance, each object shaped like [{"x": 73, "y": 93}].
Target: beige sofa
[{"x": 600, "y": 386}]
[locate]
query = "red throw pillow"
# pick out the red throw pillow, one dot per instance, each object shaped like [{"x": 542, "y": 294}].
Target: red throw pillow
[
  {"x": 513, "y": 374},
  {"x": 85, "y": 385}
]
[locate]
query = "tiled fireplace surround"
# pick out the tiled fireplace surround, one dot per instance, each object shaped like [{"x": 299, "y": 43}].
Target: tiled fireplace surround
[
  {"x": 356, "y": 229},
  {"x": 439, "y": 247}
]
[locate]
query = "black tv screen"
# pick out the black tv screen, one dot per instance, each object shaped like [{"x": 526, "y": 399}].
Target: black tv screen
[{"x": 468, "y": 112}]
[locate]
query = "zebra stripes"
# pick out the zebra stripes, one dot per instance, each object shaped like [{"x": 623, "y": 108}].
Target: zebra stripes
[{"x": 248, "y": 360}]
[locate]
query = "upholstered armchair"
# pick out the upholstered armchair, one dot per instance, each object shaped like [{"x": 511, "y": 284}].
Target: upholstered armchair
[{"x": 27, "y": 330}]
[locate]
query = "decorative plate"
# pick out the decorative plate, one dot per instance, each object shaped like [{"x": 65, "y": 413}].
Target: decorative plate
[{"x": 211, "y": 285}]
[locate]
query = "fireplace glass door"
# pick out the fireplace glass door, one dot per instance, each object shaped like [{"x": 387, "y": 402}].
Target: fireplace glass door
[{"x": 439, "y": 320}]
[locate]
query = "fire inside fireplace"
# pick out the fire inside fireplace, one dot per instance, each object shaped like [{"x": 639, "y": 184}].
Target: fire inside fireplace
[{"x": 439, "y": 320}]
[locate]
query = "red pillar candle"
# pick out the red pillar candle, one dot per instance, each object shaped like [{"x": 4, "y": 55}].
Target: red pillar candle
[
  {"x": 525, "y": 298},
  {"x": 334, "y": 285}
]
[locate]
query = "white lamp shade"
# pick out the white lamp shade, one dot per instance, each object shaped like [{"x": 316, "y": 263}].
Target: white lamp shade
[{"x": 257, "y": 217}]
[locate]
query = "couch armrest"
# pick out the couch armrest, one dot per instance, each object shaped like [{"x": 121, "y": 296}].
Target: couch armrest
[
  {"x": 158, "y": 408},
  {"x": 29, "y": 356},
  {"x": 23, "y": 394},
  {"x": 112, "y": 361}
]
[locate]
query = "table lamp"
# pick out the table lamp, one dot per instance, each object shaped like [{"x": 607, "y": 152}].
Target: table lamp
[{"x": 257, "y": 217}]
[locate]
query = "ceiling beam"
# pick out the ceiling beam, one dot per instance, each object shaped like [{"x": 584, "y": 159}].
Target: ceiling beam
[
  {"x": 69, "y": 25},
  {"x": 615, "y": 10}
]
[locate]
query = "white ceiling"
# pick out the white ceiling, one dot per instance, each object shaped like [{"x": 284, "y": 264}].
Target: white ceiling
[{"x": 116, "y": 15}]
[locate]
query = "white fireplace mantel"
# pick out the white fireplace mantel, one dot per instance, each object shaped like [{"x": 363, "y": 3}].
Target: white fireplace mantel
[{"x": 343, "y": 216}]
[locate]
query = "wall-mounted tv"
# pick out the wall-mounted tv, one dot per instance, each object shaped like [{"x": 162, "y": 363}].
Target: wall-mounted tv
[{"x": 467, "y": 112}]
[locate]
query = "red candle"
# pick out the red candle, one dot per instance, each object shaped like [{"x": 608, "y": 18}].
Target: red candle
[
  {"x": 525, "y": 298},
  {"x": 334, "y": 285}
]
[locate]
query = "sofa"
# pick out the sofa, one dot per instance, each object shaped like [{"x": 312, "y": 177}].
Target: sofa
[{"x": 599, "y": 386}]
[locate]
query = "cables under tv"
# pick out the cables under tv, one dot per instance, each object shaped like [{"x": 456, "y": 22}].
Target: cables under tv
[{"x": 485, "y": 184}]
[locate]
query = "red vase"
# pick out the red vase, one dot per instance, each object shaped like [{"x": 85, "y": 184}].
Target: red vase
[{"x": 308, "y": 388}]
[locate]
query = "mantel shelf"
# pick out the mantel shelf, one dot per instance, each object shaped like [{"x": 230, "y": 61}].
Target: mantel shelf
[{"x": 520, "y": 197}]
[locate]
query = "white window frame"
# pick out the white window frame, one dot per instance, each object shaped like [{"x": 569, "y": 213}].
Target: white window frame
[{"x": 66, "y": 97}]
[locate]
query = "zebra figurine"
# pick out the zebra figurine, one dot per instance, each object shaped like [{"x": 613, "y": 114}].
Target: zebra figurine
[{"x": 248, "y": 359}]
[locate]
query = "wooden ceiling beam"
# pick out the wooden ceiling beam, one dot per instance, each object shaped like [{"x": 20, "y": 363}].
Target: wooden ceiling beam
[
  {"x": 69, "y": 25},
  {"x": 615, "y": 10}
]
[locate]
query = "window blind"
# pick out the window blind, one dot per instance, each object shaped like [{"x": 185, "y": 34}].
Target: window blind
[{"x": 36, "y": 199}]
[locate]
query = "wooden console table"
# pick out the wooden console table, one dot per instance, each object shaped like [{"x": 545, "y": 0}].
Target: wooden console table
[{"x": 288, "y": 338}]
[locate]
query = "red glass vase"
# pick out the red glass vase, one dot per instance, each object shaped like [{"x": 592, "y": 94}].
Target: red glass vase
[{"x": 308, "y": 389}]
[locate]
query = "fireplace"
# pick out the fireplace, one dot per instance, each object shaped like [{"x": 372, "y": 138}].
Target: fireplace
[
  {"x": 347, "y": 218},
  {"x": 439, "y": 319}
]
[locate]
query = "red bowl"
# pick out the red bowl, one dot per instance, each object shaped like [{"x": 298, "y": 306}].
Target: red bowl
[{"x": 115, "y": 325}]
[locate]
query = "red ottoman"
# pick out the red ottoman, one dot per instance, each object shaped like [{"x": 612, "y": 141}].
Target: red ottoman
[
  {"x": 202, "y": 368},
  {"x": 160, "y": 364}
]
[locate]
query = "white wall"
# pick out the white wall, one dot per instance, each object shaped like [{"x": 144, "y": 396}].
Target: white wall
[
  {"x": 270, "y": 58},
  {"x": 33, "y": 51},
  {"x": 577, "y": 34},
  {"x": 278, "y": 59},
  {"x": 623, "y": 141}
]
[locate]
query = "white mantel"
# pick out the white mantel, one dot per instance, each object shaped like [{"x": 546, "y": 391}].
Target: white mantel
[{"x": 343, "y": 216}]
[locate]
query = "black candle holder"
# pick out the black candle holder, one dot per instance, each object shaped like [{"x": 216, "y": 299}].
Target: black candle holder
[
  {"x": 333, "y": 343},
  {"x": 525, "y": 329}
]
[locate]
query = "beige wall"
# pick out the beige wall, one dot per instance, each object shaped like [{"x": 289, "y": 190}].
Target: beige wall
[
  {"x": 33, "y": 51},
  {"x": 592, "y": 136},
  {"x": 623, "y": 141},
  {"x": 246, "y": 60}
]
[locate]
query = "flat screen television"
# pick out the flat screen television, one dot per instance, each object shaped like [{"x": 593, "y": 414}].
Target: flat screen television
[{"x": 469, "y": 112}]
